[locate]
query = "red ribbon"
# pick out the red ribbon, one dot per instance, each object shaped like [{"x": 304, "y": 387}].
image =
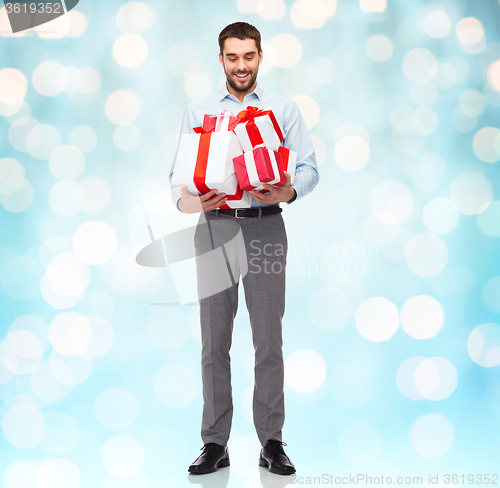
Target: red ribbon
[
  {"x": 285, "y": 154},
  {"x": 200, "y": 169},
  {"x": 248, "y": 115},
  {"x": 236, "y": 196},
  {"x": 210, "y": 124}
]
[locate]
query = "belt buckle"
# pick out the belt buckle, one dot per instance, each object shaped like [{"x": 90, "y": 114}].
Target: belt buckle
[{"x": 236, "y": 213}]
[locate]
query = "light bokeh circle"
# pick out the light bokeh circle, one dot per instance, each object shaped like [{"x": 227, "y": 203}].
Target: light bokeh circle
[
  {"x": 391, "y": 202},
  {"x": 420, "y": 65},
  {"x": 426, "y": 254},
  {"x": 95, "y": 242},
  {"x": 377, "y": 319},
  {"x": 352, "y": 153},
  {"x": 484, "y": 345},
  {"x": 471, "y": 192},
  {"x": 440, "y": 215},
  {"x": 23, "y": 426},
  {"x": 122, "y": 107},
  {"x": 70, "y": 334},
  {"x": 287, "y": 50},
  {"x": 422, "y": 317},
  {"x": 130, "y": 50},
  {"x": 305, "y": 370},
  {"x": 432, "y": 435}
]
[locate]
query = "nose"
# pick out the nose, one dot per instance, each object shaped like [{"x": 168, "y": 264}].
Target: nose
[{"x": 241, "y": 65}]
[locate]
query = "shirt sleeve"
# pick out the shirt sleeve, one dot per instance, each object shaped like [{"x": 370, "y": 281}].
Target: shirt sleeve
[
  {"x": 187, "y": 124},
  {"x": 297, "y": 139}
]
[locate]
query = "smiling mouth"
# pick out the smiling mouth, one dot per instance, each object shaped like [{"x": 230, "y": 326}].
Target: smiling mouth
[{"x": 242, "y": 77}]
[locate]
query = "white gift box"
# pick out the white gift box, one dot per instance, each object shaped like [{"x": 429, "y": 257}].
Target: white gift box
[{"x": 219, "y": 148}]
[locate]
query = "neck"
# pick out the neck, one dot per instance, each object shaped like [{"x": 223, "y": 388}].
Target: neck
[{"x": 239, "y": 94}]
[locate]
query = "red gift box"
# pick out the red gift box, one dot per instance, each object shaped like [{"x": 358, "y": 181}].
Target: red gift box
[
  {"x": 289, "y": 161},
  {"x": 224, "y": 121},
  {"x": 259, "y": 166}
]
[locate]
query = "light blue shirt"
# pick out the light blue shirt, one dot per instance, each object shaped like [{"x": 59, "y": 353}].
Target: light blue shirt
[{"x": 287, "y": 113}]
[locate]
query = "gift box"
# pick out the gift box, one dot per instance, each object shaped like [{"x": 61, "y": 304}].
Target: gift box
[
  {"x": 261, "y": 165},
  {"x": 224, "y": 121},
  {"x": 240, "y": 199},
  {"x": 288, "y": 162},
  {"x": 205, "y": 161},
  {"x": 258, "y": 128}
]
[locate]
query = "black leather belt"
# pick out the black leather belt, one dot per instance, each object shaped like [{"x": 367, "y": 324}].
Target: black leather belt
[{"x": 248, "y": 212}]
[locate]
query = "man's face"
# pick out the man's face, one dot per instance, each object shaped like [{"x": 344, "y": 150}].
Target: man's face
[{"x": 240, "y": 61}]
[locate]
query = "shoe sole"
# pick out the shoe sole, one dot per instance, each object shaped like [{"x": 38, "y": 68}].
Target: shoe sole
[
  {"x": 265, "y": 464},
  {"x": 223, "y": 463}
]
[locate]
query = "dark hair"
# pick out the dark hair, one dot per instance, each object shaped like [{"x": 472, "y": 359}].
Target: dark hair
[{"x": 240, "y": 30}]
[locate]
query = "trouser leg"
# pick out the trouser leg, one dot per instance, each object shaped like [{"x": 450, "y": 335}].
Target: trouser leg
[
  {"x": 217, "y": 312},
  {"x": 265, "y": 299}
]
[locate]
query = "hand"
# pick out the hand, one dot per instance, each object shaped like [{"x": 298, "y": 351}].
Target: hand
[
  {"x": 276, "y": 193},
  {"x": 203, "y": 203}
]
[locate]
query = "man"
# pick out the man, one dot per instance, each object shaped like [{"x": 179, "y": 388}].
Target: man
[{"x": 261, "y": 225}]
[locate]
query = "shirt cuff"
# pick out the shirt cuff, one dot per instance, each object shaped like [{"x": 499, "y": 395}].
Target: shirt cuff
[
  {"x": 176, "y": 196},
  {"x": 294, "y": 196},
  {"x": 177, "y": 205}
]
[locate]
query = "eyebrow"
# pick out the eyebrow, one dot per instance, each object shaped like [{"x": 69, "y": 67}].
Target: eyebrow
[{"x": 246, "y": 54}]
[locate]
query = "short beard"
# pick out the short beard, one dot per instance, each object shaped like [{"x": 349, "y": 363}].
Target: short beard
[{"x": 244, "y": 88}]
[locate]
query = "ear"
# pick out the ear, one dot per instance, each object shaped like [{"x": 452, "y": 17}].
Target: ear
[
  {"x": 260, "y": 56},
  {"x": 221, "y": 60}
]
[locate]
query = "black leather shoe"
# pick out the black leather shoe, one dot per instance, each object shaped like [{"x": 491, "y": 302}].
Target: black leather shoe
[
  {"x": 273, "y": 456},
  {"x": 214, "y": 456}
]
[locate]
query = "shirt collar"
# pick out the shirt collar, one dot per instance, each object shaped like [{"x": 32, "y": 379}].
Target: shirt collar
[{"x": 223, "y": 92}]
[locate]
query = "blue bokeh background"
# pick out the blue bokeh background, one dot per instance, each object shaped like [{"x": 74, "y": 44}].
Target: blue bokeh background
[{"x": 391, "y": 340}]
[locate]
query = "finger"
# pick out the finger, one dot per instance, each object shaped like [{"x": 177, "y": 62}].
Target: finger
[
  {"x": 215, "y": 202},
  {"x": 258, "y": 196},
  {"x": 208, "y": 195},
  {"x": 216, "y": 198},
  {"x": 270, "y": 188},
  {"x": 220, "y": 199}
]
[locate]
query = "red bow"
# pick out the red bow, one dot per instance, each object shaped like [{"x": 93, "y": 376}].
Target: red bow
[{"x": 248, "y": 115}]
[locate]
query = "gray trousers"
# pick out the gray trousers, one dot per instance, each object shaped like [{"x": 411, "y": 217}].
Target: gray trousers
[{"x": 263, "y": 258}]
